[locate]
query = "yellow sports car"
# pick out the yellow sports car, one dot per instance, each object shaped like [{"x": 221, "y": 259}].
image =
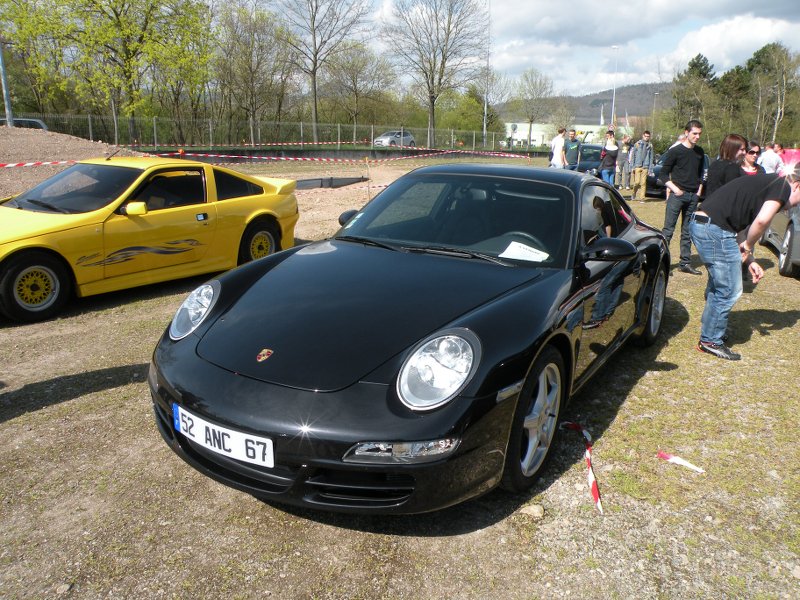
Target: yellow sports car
[{"x": 109, "y": 224}]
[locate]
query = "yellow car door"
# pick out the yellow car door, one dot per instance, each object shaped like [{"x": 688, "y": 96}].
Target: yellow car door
[{"x": 166, "y": 224}]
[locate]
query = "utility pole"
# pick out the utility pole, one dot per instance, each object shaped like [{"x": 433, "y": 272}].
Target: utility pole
[
  {"x": 6, "y": 93},
  {"x": 614, "y": 83}
]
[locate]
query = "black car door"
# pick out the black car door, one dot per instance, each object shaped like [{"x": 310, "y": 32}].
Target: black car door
[{"x": 608, "y": 288}]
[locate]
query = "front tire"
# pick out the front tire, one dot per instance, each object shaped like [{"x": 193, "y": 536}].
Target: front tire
[
  {"x": 535, "y": 423},
  {"x": 785, "y": 265},
  {"x": 34, "y": 286},
  {"x": 260, "y": 239}
]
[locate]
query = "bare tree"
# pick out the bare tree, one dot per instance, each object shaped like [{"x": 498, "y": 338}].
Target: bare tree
[
  {"x": 441, "y": 42},
  {"x": 252, "y": 59},
  {"x": 358, "y": 74},
  {"x": 319, "y": 30},
  {"x": 534, "y": 96}
]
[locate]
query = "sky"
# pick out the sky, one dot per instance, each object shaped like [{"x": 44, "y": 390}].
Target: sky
[{"x": 571, "y": 41}]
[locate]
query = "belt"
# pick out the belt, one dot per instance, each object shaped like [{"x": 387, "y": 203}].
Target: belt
[{"x": 702, "y": 218}]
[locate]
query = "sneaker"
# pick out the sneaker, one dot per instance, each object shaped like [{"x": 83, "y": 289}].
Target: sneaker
[{"x": 718, "y": 350}]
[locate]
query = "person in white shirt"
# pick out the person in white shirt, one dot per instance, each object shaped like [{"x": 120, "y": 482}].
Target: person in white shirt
[
  {"x": 557, "y": 150},
  {"x": 770, "y": 160}
]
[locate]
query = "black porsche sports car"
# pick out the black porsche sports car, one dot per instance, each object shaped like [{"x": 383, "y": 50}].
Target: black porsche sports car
[{"x": 423, "y": 354}]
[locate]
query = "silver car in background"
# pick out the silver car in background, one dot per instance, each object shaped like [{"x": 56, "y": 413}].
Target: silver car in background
[
  {"x": 395, "y": 138},
  {"x": 783, "y": 234}
]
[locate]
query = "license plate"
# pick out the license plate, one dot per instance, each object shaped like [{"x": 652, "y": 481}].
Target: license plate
[{"x": 227, "y": 442}]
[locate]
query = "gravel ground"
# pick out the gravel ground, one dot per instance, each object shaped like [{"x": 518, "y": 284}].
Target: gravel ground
[{"x": 93, "y": 504}]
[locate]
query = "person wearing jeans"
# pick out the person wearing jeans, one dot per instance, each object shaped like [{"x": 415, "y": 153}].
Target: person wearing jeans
[
  {"x": 608, "y": 158},
  {"x": 682, "y": 174},
  {"x": 743, "y": 203},
  {"x": 642, "y": 164}
]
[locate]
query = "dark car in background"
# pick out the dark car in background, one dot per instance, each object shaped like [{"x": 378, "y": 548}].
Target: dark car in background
[
  {"x": 24, "y": 123},
  {"x": 657, "y": 189},
  {"x": 589, "y": 159},
  {"x": 421, "y": 356}
]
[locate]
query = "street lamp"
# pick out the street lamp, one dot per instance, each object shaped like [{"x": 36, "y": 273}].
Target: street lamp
[
  {"x": 655, "y": 96},
  {"x": 614, "y": 83}
]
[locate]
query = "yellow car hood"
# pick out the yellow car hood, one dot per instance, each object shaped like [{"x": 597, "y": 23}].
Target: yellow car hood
[{"x": 17, "y": 224}]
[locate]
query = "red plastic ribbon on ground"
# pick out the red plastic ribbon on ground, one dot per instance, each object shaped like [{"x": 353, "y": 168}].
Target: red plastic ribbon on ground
[{"x": 590, "y": 478}]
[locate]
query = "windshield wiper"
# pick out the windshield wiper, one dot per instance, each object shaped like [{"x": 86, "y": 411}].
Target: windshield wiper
[
  {"x": 458, "y": 252},
  {"x": 365, "y": 241},
  {"x": 47, "y": 205}
]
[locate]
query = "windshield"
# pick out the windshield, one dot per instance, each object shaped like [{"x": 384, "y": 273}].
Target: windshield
[
  {"x": 78, "y": 189},
  {"x": 590, "y": 153},
  {"x": 520, "y": 221}
]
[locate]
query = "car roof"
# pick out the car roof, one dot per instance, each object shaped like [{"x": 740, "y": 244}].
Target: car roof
[
  {"x": 142, "y": 162},
  {"x": 557, "y": 176}
]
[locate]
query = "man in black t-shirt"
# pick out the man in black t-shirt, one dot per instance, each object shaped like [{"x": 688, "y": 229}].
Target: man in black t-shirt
[
  {"x": 682, "y": 173},
  {"x": 744, "y": 203}
]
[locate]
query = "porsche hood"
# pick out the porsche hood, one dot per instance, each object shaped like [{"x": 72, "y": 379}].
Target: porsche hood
[{"x": 333, "y": 312}]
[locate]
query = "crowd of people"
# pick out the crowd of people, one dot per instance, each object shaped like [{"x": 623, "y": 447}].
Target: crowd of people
[{"x": 724, "y": 209}]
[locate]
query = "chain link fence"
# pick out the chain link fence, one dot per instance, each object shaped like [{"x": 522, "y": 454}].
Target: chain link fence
[{"x": 159, "y": 132}]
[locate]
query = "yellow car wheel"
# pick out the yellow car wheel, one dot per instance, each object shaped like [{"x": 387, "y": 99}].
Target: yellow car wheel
[
  {"x": 259, "y": 240},
  {"x": 34, "y": 286}
]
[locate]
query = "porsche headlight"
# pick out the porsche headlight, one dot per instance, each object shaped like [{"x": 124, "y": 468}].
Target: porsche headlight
[
  {"x": 194, "y": 310},
  {"x": 438, "y": 369}
]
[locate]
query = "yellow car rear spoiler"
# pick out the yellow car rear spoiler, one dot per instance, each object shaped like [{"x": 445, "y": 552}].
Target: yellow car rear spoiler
[{"x": 278, "y": 186}]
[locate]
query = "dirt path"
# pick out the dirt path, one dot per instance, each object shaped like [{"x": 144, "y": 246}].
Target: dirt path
[{"x": 94, "y": 505}]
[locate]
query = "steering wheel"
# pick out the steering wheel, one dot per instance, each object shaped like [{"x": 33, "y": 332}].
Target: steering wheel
[{"x": 523, "y": 234}]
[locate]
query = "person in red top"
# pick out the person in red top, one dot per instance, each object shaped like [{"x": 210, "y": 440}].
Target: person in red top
[{"x": 750, "y": 164}]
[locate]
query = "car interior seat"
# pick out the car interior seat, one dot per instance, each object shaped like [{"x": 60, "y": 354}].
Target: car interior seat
[{"x": 467, "y": 221}]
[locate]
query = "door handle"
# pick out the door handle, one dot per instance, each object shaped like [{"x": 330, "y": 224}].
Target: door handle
[{"x": 201, "y": 216}]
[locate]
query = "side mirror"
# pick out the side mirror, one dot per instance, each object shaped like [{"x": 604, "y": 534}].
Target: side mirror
[
  {"x": 346, "y": 216},
  {"x": 135, "y": 209},
  {"x": 609, "y": 250}
]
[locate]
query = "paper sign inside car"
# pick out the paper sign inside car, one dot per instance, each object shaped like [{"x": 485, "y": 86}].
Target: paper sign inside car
[{"x": 523, "y": 252}]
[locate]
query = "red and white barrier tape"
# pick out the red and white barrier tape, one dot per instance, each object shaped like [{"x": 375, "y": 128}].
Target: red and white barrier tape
[
  {"x": 182, "y": 154},
  {"x": 677, "y": 460},
  {"x": 587, "y": 438},
  {"x": 36, "y": 163}
]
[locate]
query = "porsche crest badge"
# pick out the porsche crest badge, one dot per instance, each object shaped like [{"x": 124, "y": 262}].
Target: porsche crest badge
[{"x": 264, "y": 355}]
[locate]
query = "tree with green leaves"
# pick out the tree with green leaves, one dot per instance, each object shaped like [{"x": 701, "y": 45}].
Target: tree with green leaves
[
  {"x": 693, "y": 88},
  {"x": 774, "y": 75}
]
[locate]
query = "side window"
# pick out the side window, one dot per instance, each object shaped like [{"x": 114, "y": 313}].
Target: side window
[
  {"x": 169, "y": 189},
  {"x": 622, "y": 215},
  {"x": 597, "y": 214},
  {"x": 229, "y": 186}
]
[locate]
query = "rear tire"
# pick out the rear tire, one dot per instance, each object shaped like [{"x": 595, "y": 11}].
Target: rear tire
[
  {"x": 34, "y": 286},
  {"x": 785, "y": 265},
  {"x": 655, "y": 311},
  {"x": 260, "y": 239},
  {"x": 535, "y": 424}
]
